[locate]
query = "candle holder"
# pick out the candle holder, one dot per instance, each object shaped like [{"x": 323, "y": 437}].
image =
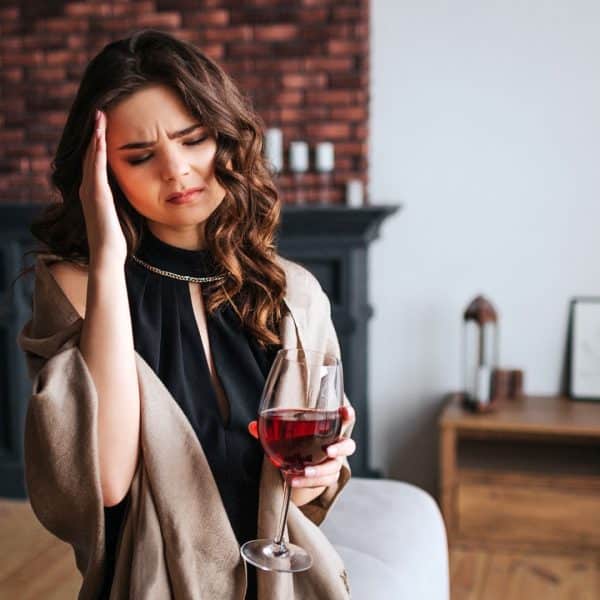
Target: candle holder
[
  {"x": 299, "y": 166},
  {"x": 274, "y": 150},
  {"x": 325, "y": 162}
]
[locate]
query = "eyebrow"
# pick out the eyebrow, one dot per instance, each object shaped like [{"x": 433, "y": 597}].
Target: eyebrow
[{"x": 171, "y": 136}]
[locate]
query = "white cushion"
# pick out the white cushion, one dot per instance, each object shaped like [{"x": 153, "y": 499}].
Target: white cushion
[{"x": 392, "y": 539}]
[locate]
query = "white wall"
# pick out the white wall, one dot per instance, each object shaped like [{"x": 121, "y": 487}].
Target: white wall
[{"x": 485, "y": 120}]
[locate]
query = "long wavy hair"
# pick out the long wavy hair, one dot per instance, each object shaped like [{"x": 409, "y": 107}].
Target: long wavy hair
[{"x": 241, "y": 231}]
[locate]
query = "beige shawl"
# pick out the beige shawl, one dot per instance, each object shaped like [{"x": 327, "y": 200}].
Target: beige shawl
[{"x": 176, "y": 540}]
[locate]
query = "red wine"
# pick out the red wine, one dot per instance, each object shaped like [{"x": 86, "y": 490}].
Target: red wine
[{"x": 296, "y": 438}]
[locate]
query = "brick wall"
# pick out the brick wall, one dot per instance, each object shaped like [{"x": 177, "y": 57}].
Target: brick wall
[{"x": 304, "y": 64}]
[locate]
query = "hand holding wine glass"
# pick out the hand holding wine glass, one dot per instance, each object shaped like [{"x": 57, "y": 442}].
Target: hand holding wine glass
[
  {"x": 300, "y": 417},
  {"x": 327, "y": 472}
]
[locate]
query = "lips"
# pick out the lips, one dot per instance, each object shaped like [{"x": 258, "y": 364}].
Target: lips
[{"x": 180, "y": 197}]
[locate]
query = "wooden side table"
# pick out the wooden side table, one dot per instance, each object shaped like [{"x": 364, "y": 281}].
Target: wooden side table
[{"x": 525, "y": 476}]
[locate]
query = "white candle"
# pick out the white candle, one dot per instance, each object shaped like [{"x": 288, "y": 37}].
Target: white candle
[
  {"x": 354, "y": 193},
  {"x": 325, "y": 157},
  {"x": 274, "y": 148},
  {"x": 299, "y": 156}
]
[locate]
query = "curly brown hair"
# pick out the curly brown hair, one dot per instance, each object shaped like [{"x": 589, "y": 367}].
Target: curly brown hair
[{"x": 241, "y": 231}]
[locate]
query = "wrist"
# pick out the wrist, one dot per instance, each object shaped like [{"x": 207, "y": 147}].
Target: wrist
[{"x": 106, "y": 262}]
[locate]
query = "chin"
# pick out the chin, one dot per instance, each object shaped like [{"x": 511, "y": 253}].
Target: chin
[{"x": 182, "y": 216}]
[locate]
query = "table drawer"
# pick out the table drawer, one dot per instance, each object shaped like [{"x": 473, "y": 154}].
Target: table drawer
[{"x": 543, "y": 513}]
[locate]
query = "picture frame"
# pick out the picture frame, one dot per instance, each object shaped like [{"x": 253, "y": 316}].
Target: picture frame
[{"x": 584, "y": 349}]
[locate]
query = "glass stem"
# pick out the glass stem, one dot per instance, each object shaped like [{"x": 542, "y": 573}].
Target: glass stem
[{"x": 287, "y": 493}]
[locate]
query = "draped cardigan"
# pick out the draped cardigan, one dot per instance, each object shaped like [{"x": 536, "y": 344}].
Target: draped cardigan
[{"x": 176, "y": 541}]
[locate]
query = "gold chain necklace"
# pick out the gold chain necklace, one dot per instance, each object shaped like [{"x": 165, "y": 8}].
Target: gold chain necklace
[{"x": 190, "y": 278}]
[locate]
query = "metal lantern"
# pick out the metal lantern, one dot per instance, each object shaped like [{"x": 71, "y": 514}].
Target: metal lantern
[{"x": 480, "y": 351}]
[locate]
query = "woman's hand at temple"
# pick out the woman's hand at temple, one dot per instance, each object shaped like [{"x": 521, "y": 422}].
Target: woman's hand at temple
[
  {"x": 104, "y": 234},
  {"x": 316, "y": 478}
]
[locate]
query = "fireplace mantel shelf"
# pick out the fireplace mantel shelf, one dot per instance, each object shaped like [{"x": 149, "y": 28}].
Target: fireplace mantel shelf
[{"x": 318, "y": 220}]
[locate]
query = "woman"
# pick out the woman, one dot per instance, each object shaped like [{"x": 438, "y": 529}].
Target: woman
[{"x": 160, "y": 302}]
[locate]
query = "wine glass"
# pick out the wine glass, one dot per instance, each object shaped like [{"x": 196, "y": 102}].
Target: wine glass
[{"x": 299, "y": 416}]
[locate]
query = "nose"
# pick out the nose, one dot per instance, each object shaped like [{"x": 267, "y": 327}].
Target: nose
[{"x": 174, "y": 164}]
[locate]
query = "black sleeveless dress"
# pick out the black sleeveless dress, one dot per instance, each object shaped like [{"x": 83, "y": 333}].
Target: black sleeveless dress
[{"x": 166, "y": 335}]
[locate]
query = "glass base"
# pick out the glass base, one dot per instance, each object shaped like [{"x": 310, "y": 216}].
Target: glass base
[{"x": 268, "y": 556}]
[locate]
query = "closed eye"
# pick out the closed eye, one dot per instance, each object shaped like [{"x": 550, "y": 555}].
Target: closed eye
[
  {"x": 194, "y": 142},
  {"x": 142, "y": 159}
]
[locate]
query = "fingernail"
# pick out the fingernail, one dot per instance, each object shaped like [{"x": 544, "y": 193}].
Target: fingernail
[
  {"x": 332, "y": 451},
  {"x": 310, "y": 471}
]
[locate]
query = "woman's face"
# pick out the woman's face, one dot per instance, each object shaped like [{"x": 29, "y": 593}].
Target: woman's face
[{"x": 156, "y": 148}]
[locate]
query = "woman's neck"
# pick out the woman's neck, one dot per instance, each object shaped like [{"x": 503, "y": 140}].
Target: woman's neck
[{"x": 188, "y": 237}]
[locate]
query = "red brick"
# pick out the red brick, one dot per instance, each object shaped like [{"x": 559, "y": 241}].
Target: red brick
[
  {"x": 29, "y": 149},
  {"x": 303, "y": 81},
  {"x": 207, "y": 17},
  {"x": 310, "y": 16},
  {"x": 347, "y": 47},
  {"x": 341, "y": 31},
  {"x": 158, "y": 20},
  {"x": 77, "y": 41},
  {"x": 362, "y": 131},
  {"x": 361, "y": 30},
  {"x": 11, "y": 135},
  {"x": 59, "y": 57},
  {"x": 186, "y": 4},
  {"x": 246, "y": 49},
  {"x": 288, "y": 98},
  {"x": 281, "y": 65},
  {"x": 312, "y": 2},
  {"x": 329, "y": 64},
  {"x": 328, "y": 131},
  {"x": 276, "y": 33},
  {"x": 43, "y": 132},
  {"x": 9, "y": 14},
  {"x": 51, "y": 74},
  {"x": 329, "y": 97},
  {"x": 10, "y": 28},
  {"x": 348, "y": 80},
  {"x": 214, "y": 51},
  {"x": 349, "y": 113},
  {"x": 343, "y": 164},
  {"x": 349, "y": 13},
  {"x": 11, "y": 44},
  {"x": 57, "y": 118},
  {"x": 241, "y": 33},
  {"x": 12, "y": 75},
  {"x": 25, "y": 59},
  {"x": 14, "y": 164},
  {"x": 61, "y": 25},
  {"x": 40, "y": 164},
  {"x": 87, "y": 9},
  {"x": 316, "y": 115},
  {"x": 133, "y": 8},
  {"x": 351, "y": 148},
  {"x": 257, "y": 15}
]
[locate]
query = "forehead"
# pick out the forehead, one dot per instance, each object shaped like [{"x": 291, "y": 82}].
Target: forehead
[{"x": 146, "y": 111}]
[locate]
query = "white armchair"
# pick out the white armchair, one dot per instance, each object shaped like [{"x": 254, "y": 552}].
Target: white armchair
[{"x": 392, "y": 538}]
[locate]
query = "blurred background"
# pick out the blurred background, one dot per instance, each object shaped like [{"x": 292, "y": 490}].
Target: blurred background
[{"x": 461, "y": 142}]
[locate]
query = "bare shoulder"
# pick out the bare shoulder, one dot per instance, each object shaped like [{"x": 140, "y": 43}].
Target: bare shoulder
[{"x": 72, "y": 279}]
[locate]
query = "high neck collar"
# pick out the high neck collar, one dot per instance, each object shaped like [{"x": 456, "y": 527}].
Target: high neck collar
[{"x": 197, "y": 263}]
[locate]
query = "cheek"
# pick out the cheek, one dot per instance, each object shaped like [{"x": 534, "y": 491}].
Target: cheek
[{"x": 138, "y": 187}]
